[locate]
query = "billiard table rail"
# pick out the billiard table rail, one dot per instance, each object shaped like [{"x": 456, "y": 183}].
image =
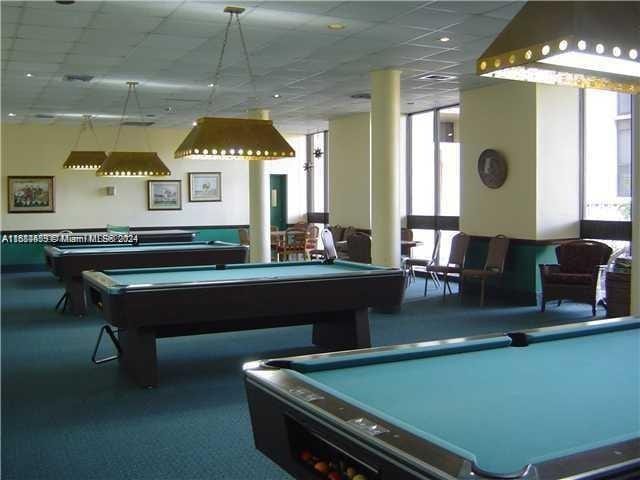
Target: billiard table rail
[
  {"x": 68, "y": 262},
  {"x": 335, "y": 304},
  {"x": 277, "y": 394}
]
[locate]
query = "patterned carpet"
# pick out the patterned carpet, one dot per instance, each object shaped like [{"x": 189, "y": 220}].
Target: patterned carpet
[{"x": 65, "y": 418}]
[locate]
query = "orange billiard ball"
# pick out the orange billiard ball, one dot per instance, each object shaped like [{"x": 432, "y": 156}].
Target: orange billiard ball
[{"x": 322, "y": 467}]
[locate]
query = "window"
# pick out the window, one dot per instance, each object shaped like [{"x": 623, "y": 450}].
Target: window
[
  {"x": 607, "y": 156},
  {"x": 422, "y": 164},
  {"x": 449, "y": 168},
  {"x": 434, "y": 183}
]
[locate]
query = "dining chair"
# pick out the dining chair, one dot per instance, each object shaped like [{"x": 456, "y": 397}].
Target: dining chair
[
  {"x": 243, "y": 235},
  {"x": 295, "y": 243},
  {"x": 409, "y": 264},
  {"x": 455, "y": 264},
  {"x": 493, "y": 267}
]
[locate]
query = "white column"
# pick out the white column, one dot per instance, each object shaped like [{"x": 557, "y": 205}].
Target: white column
[
  {"x": 259, "y": 221},
  {"x": 385, "y": 168},
  {"x": 635, "y": 208}
]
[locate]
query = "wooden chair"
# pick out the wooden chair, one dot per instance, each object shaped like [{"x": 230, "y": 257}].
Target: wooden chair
[
  {"x": 295, "y": 243},
  {"x": 407, "y": 235},
  {"x": 243, "y": 235},
  {"x": 410, "y": 263},
  {"x": 493, "y": 267},
  {"x": 575, "y": 276},
  {"x": 455, "y": 264},
  {"x": 312, "y": 242},
  {"x": 359, "y": 247}
]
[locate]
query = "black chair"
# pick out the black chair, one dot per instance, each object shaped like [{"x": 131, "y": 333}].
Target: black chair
[{"x": 359, "y": 246}]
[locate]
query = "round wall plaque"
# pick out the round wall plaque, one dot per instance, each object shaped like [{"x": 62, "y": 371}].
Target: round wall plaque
[{"x": 492, "y": 168}]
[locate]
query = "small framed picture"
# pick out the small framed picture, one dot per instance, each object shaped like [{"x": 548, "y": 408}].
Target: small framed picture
[
  {"x": 164, "y": 194},
  {"x": 31, "y": 194},
  {"x": 205, "y": 187}
]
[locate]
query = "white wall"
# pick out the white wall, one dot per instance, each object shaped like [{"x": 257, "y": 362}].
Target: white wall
[
  {"x": 501, "y": 117},
  {"x": 80, "y": 199},
  {"x": 558, "y": 162},
  {"x": 536, "y": 128},
  {"x": 350, "y": 170}
]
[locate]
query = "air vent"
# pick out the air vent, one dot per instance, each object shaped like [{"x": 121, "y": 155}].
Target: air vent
[
  {"x": 78, "y": 78},
  {"x": 437, "y": 77},
  {"x": 361, "y": 96},
  {"x": 44, "y": 115},
  {"x": 133, "y": 123}
]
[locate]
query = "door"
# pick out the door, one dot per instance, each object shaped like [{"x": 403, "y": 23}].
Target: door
[{"x": 278, "y": 199}]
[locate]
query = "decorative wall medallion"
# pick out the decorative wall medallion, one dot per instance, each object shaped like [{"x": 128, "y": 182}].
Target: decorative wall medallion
[{"x": 492, "y": 168}]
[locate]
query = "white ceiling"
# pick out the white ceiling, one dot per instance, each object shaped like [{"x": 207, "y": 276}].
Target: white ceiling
[{"x": 172, "y": 48}]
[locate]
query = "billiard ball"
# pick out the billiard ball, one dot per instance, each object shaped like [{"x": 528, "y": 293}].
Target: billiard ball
[
  {"x": 322, "y": 467},
  {"x": 334, "y": 476},
  {"x": 305, "y": 456},
  {"x": 359, "y": 476},
  {"x": 351, "y": 472}
]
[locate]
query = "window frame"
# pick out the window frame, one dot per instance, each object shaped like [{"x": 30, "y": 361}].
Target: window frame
[{"x": 603, "y": 229}]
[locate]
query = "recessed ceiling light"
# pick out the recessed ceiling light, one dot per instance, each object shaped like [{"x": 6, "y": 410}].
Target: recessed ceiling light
[
  {"x": 11, "y": 114},
  {"x": 210, "y": 85},
  {"x": 194, "y": 123},
  {"x": 336, "y": 26},
  {"x": 29, "y": 75},
  {"x": 276, "y": 95},
  {"x": 444, "y": 39}
]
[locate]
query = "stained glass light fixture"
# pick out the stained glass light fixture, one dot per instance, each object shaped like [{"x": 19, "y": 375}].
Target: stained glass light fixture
[
  {"x": 85, "y": 159},
  {"x": 132, "y": 164},
  {"x": 580, "y": 44},
  {"x": 234, "y": 138}
]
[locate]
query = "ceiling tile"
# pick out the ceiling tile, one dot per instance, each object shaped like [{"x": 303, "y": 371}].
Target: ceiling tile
[
  {"x": 480, "y": 25},
  {"x": 476, "y": 7},
  {"x": 10, "y": 14},
  {"x": 186, "y": 28},
  {"x": 140, "y": 8},
  {"x": 36, "y": 57},
  {"x": 93, "y": 60},
  {"x": 172, "y": 42},
  {"x": 310, "y": 7},
  {"x": 92, "y": 36},
  {"x": 40, "y": 46},
  {"x": 9, "y": 30},
  {"x": 383, "y": 10},
  {"x": 430, "y": 19},
  {"x": 55, "y": 18},
  {"x": 32, "y": 32},
  {"x": 199, "y": 11},
  {"x": 33, "y": 68},
  {"x": 124, "y": 23},
  {"x": 507, "y": 12},
  {"x": 392, "y": 33}
]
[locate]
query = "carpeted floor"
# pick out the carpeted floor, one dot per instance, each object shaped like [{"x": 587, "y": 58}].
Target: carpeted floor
[{"x": 65, "y": 418}]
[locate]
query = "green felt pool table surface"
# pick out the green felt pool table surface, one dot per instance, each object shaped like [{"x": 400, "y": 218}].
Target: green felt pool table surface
[
  {"x": 254, "y": 271},
  {"x": 501, "y": 406}
]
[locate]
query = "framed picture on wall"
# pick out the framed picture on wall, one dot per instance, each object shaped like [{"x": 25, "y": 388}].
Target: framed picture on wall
[
  {"x": 31, "y": 194},
  {"x": 205, "y": 187},
  {"x": 164, "y": 194}
]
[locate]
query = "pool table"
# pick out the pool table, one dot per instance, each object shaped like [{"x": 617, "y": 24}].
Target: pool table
[
  {"x": 553, "y": 403},
  {"x": 146, "y": 304},
  {"x": 68, "y": 262}
]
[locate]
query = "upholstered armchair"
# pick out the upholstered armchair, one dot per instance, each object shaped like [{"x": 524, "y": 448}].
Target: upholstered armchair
[{"x": 575, "y": 276}]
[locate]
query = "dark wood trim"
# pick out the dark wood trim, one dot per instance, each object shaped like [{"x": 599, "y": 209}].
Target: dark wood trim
[
  {"x": 318, "y": 217},
  {"x": 433, "y": 222},
  {"x": 605, "y": 230},
  {"x": 527, "y": 241},
  {"x": 102, "y": 229}
]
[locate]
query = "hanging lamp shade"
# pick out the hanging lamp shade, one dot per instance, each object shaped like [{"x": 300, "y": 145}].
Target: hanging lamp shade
[
  {"x": 580, "y": 44},
  {"x": 84, "y": 160},
  {"x": 133, "y": 164},
  {"x": 234, "y": 138}
]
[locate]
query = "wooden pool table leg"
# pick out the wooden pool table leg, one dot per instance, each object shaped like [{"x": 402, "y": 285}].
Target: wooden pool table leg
[
  {"x": 75, "y": 290},
  {"x": 344, "y": 330},
  {"x": 138, "y": 357}
]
